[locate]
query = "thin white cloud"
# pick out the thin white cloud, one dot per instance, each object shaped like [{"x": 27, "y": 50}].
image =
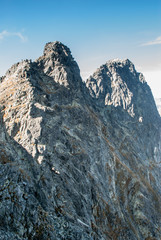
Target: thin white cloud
[
  {"x": 5, "y": 34},
  {"x": 156, "y": 41}
]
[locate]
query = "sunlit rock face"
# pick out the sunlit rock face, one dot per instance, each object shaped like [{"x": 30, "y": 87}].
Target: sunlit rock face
[
  {"x": 78, "y": 161},
  {"x": 117, "y": 83}
]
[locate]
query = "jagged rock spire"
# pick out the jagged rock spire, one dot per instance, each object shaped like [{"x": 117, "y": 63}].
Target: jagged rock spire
[
  {"x": 58, "y": 52},
  {"x": 58, "y": 62}
]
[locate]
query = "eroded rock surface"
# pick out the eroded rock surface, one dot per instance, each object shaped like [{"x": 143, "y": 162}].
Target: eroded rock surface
[
  {"x": 117, "y": 83},
  {"x": 78, "y": 162}
]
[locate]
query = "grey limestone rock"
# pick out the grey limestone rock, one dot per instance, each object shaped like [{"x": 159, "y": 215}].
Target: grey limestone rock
[
  {"x": 117, "y": 83},
  {"x": 58, "y": 63},
  {"x": 78, "y": 162}
]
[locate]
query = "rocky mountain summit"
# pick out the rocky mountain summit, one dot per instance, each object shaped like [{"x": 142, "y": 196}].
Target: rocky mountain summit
[
  {"x": 117, "y": 83},
  {"x": 78, "y": 160}
]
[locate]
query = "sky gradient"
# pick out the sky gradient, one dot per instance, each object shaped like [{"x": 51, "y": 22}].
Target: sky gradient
[{"x": 95, "y": 31}]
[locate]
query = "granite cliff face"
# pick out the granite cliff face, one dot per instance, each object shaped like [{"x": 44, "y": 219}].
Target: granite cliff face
[{"x": 78, "y": 161}]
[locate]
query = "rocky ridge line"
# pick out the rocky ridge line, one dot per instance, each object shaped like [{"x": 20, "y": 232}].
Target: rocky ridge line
[{"x": 78, "y": 162}]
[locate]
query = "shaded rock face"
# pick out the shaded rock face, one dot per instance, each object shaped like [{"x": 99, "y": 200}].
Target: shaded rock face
[{"x": 78, "y": 162}]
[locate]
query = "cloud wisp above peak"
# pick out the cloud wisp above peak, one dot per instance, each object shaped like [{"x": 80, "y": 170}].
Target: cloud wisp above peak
[
  {"x": 156, "y": 41},
  {"x": 5, "y": 34}
]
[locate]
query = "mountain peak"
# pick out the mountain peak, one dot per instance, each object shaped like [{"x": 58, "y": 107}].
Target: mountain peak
[
  {"x": 58, "y": 62},
  {"x": 58, "y": 52},
  {"x": 122, "y": 64},
  {"x": 118, "y": 83},
  {"x": 119, "y": 61}
]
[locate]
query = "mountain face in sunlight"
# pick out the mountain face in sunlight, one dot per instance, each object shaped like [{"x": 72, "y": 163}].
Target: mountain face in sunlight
[{"x": 78, "y": 161}]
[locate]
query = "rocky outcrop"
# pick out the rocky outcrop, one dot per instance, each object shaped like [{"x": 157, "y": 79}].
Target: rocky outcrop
[
  {"x": 117, "y": 83},
  {"x": 58, "y": 63},
  {"x": 78, "y": 162}
]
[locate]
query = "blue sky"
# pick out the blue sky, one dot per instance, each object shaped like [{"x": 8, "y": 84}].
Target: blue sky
[{"x": 96, "y": 31}]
